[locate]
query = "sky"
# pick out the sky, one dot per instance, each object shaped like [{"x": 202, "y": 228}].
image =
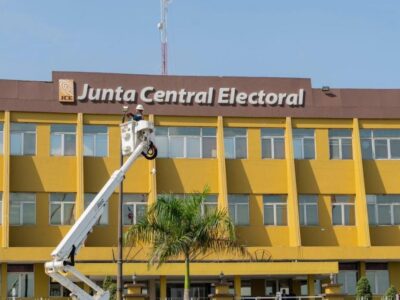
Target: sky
[{"x": 339, "y": 43}]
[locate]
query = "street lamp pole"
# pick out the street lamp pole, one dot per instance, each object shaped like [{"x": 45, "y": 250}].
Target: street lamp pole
[{"x": 120, "y": 281}]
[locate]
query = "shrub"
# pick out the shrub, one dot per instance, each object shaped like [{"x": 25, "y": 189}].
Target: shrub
[
  {"x": 363, "y": 290},
  {"x": 391, "y": 292}
]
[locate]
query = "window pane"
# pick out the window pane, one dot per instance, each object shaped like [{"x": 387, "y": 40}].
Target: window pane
[
  {"x": 15, "y": 215},
  {"x": 312, "y": 214},
  {"x": 140, "y": 211},
  {"x": 55, "y": 213},
  {"x": 309, "y": 149},
  {"x": 302, "y": 215},
  {"x": 69, "y": 144},
  {"x": 193, "y": 147},
  {"x": 29, "y": 143},
  {"x": 101, "y": 145},
  {"x": 162, "y": 146},
  {"x": 127, "y": 214},
  {"x": 268, "y": 215},
  {"x": 371, "y": 214},
  {"x": 23, "y": 127},
  {"x": 184, "y": 131},
  {"x": 298, "y": 148},
  {"x": 232, "y": 213},
  {"x": 231, "y": 132},
  {"x": 384, "y": 217},
  {"x": 1, "y": 143},
  {"x": 303, "y": 132},
  {"x": 279, "y": 148},
  {"x": 241, "y": 147},
  {"x": 346, "y": 149},
  {"x": 62, "y": 128},
  {"x": 383, "y": 281},
  {"x": 229, "y": 145},
  {"x": 396, "y": 214},
  {"x": 266, "y": 148},
  {"x": 268, "y": 132},
  {"x": 337, "y": 214},
  {"x": 395, "y": 148},
  {"x": 55, "y": 141},
  {"x": 209, "y": 147},
  {"x": 386, "y": 133},
  {"x": 366, "y": 147},
  {"x": 339, "y": 132},
  {"x": 159, "y": 131},
  {"x": 381, "y": 150},
  {"x": 16, "y": 143},
  {"x": 69, "y": 213},
  {"x": 334, "y": 149},
  {"x": 349, "y": 217},
  {"x": 94, "y": 129},
  {"x": 176, "y": 147},
  {"x": 281, "y": 215},
  {"x": 29, "y": 213},
  {"x": 88, "y": 145},
  {"x": 209, "y": 131},
  {"x": 242, "y": 214},
  {"x": 371, "y": 278}
]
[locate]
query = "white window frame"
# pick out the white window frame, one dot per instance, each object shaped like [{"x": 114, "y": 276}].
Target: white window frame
[
  {"x": 21, "y": 210},
  {"x": 62, "y": 134},
  {"x": 22, "y": 133},
  {"x": 272, "y": 139},
  {"x": 21, "y": 274},
  {"x": 375, "y": 285},
  {"x": 342, "y": 206},
  {"x": 303, "y": 206},
  {"x": 374, "y": 201},
  {"x": 345, "y": 285},
  {"x": 340, "y": 140},
  {"x": 209, "y": 201},
  {"x": 388, "y": 144},
  {"x": 62, "y": 203},
  {"x": 274, "y": 208},
  {"x": 104, "y": 218},
  {"x": 134, "y": 205},
  {"x": 233, "y": 138},
  {"x": 185, "y": 138},
  {"x": 302, "y": 139},
  {"x": 236, "y": 205},
  {"x": 94, "y": 135}
]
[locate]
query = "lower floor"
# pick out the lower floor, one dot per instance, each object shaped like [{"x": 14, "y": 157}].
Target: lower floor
[{"x": 246, "y": 279}]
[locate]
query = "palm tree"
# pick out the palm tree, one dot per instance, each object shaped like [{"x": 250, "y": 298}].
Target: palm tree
[{"x": 178, "y": 227}]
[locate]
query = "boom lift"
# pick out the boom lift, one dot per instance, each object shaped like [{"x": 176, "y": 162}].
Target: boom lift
[{"x": 136, "y": 140}]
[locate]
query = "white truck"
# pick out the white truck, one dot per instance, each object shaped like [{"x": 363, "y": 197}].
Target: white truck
[{"x": 137, "y": 139}]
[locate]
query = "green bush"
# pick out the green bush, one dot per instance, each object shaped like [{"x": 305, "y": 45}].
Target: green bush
[
  {"x": 363, "y": 289},
  {"x": 391, "y": 292},
  {"x": 111, "y": 286}
]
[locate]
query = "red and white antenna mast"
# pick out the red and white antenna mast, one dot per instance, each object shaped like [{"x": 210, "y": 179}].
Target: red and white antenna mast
[{"x": 162, "y": 26}]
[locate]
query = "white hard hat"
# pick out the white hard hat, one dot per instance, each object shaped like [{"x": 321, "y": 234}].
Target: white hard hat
[{"x": 139, "y": 107}]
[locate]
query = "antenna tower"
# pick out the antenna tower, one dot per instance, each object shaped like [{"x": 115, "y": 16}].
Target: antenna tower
[{"x": 162, "y": 26}]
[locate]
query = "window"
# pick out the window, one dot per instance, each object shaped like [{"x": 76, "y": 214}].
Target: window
[
  {"x": 383, "y": 209},
  {"x": 1, "y": 138},
  {"x": 308, "y": 210},
  {"x": 378, "y": 277},
  {"x": 273, "y": 143},
  {"x": 275, "y": 210},
  {"x": 134, "y": 208},
  {"x": 340, "y": 144},
  {"x": 103, "y": 220},
  {"x": 63, "y": 140},
  {"x": 348, "y": 280},
  {"x": 210, "y": 204},
  {"x": 186, "y": 142},
  {"x": 239, "y": 209},
  {"x": 342, "y": 210},
  {"x": 23, "y": 139},
  {"x": 303, "y": 143},
  {"x": 57, "y": 290},
  {"x": 22, "y": 208},
  {"x": 95, "y": 140},
  {"x": 380, "y": 143},
  {"x": 235, "y": 142},
  {"x": 62, "y": 208},
  {"x": 20, "y": 281}
]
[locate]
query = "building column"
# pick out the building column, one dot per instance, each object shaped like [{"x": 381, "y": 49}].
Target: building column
[
  {"x": 237, "y": 285},
  {"x": 80, "y": 190},
  {"x": 310, "y": 285},
  {"x": 152, "y": 289},
  {"x": 41, "y": 281},
  {"x": 363, "y": 268},
  {"x": 361, "y": 208},
  {"x": 163, "y": 287},
  {"x": 6, "y": 182},
  {"x": 222, "y": 185},
  {"x": 293, "y": 218},
  {"x": 152, "y": 176}
]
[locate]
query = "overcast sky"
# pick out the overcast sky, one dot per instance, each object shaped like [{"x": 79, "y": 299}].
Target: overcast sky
[{"x": 340, "y": 43}]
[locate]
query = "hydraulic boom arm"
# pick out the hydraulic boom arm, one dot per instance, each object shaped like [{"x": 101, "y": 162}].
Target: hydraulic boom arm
[{"x": 136, "y": 141}]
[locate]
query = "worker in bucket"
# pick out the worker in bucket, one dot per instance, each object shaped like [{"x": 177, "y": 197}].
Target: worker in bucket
[{"x": 137, "y": 116}]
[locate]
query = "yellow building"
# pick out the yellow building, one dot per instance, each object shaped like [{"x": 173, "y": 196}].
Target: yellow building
[{"x": 311, "y": 178}]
